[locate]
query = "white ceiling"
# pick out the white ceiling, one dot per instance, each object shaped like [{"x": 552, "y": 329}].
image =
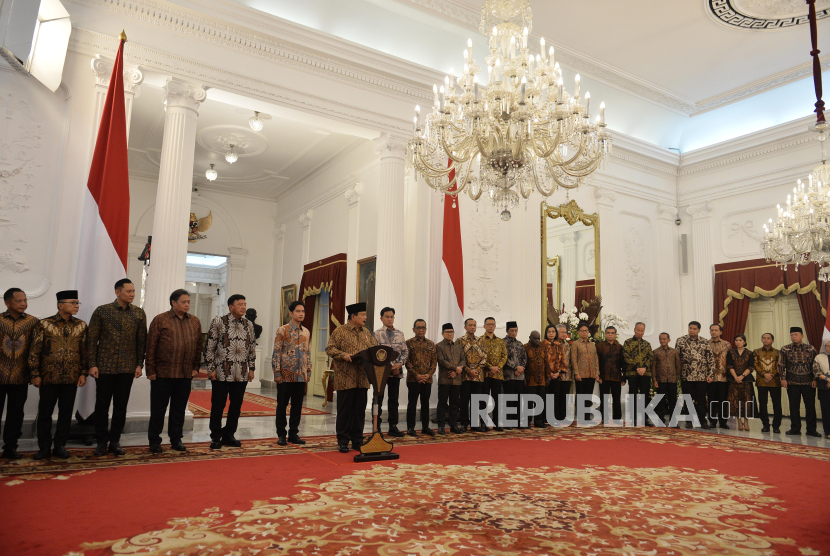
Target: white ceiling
[{"x": 270, "y": 162}]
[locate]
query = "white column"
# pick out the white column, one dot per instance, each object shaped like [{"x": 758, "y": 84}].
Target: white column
[
  {"x": 389, "y": 286},
  {"x": 276, "y": 284},
  {"x": 436, "y": 251},
  {"x": 353, "y": 199},
  {"x": 668, "y": 272},
  {"x": 702, "y": 260},
  {"x": 605, "y": 208},
  {"x": 305, "y": 222},
  {"x": 567, "y": 284},
  {"x": 172, "y": 212},
  {"x": 236, "y": 262},
  {"x": 133, "y": 77},
  {"x": 420, "y": 295}
]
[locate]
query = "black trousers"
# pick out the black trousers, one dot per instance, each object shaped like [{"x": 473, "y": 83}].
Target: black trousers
[
  {"x": 393, "y": 388},
  {"x": 560, "y": 390},
  {"x": 13, "y": 427},
  {"x": 164, "y": 391},
  {"x": 513, "y": 387},
  {"x": 111, "y": 389},
  {"x": 289, "y": 392},
  {"x": 824, "y": 402},
  {"x": 696, "y": 389},
  {"x": 718, "y": 393},
  {"x": 494, "y": 387},
  {"x": 666, "y": 407},
  {"x": 795, "y": 393},
  {"x": 351, "y": 415},
  {"x": 417, "y": 391},
  {"x": 449, "y": 399},
  {"x": 222, "y": 391},
  {"x": 538, "y": 420},
  {"x": 639, "y": 385},
  {"x": 585, "y": 386},
  {"x": 612, "y": 388},
  {"x": 774, "y": 392},
  {"x": 468, "y": 388},
  {"x": 64, "y": 396}
]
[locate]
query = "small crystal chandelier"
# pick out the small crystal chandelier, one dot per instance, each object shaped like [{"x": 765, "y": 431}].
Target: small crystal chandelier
[
  {"x": 231, "y": 155},
  {"x": 801, "y": 233},
  {"x": 520, "y": 133},
  {"x": 256, "y": 122},
  {"x": 211, "y": 174}
]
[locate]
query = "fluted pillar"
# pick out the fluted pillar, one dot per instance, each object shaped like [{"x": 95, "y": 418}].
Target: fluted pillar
[
  {"x": 436, "y": 253},
  {"x": 133, "y": 77},
  {"x": 567, "y": 285},
  {"x": 702, "y": 260},
  {"x": 389, "y": 287},
  {"x": 605, "y": 281},
  {"x": 668, "y": 272},
  {"x": 353, "y": 199},
  {"x": 305, "y": 222},
  {"x": 172, "y": 212}
]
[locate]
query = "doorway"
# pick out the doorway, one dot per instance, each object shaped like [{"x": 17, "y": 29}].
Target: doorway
[{"x": 319, "y": 341}]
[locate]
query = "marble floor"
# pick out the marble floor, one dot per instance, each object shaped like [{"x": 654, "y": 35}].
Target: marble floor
[{"x": 314, "y": 425}]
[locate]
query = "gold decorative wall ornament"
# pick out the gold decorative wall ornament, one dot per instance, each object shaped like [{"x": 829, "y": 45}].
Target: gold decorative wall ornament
[{"x": 197, "y": 226}]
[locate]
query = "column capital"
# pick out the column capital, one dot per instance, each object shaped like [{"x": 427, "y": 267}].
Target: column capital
[
  {"x": 305, "y": 218},
  {"x": 354, "y": 193},
  {"x": 568, "y": 240},
  {"x": 700, "y": 211},
  {"x": 390, "y": 146},
  {"x": 279, "y": 232},
  {"x": 102, "y": 68},
  {"x": 605, "y": 197},
  {"x": 667, "y": 212},
  {"x": 237, "y": 257},
  {"x": 183, "y": 94}
]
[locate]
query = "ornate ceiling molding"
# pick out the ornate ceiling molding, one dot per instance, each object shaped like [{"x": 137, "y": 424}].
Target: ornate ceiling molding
[{"x": 763, "y": 15}]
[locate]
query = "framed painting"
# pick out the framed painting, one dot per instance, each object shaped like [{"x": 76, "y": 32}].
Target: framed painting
[
  {"x": 289, "y": 294},
  {"x": 366, "y": 287}
]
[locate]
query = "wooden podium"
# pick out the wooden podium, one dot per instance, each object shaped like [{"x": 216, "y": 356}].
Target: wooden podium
[{"x": 377, "y": 363}]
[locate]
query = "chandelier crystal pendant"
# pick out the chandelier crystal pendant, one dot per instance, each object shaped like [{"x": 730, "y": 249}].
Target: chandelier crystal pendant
[
  {"x": 523, "y": 132},
  {"x": 211, "y": 174},
  {"x": 231, "y": 155},
  {"x": 256, "y": 122}
]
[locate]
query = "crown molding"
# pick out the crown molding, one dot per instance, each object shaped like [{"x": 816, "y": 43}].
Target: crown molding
[{"x": 327, "y": 165}]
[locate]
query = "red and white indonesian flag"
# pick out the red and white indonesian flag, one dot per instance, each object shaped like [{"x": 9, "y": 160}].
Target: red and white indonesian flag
[
  {"x": 452, "y": 268},
  {"x": 102, "y": 259}
]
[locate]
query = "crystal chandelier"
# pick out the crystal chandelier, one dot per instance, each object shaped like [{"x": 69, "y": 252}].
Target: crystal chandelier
[
  {"x": 521, "y": 132},
  {"x": 231, "y": 155},
  {"x": 211, "y": 174},
  {"x": 256, "y": 122},
  {"x": 801, "y": 232}
]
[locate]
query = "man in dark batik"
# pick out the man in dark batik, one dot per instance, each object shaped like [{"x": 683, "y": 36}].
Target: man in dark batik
[
  {"x": 795, "y": 365},
  {"x": 493, "y": 375},
  {"x": 768, "y": 383},
  {"x": 611, "y": 373},
  {"x": 475, "y": 365},
  {"x": 514, "y": 369},
  {"x": 639, "y": 359},
  {"x": 420, "y": 366},
  {"x": 450, "y": 370},
  {"x": 536, "y": 373}
]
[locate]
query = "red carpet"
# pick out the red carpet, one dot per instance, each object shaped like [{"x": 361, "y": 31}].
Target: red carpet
[
  {"x": 567, "y": 492},
  {"x": 253, "y": 405}
]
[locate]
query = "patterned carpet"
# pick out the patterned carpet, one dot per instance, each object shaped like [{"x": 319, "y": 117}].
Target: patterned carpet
[{"x": 253, "y": 405}]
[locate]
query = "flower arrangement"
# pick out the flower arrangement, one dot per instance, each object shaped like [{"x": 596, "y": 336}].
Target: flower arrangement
[{"x": 589, "y": 313}]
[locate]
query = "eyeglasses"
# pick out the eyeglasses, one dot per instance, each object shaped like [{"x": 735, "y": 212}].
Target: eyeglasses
[
  {"x": 420, "y": 328},
  {"x": 75, "y": 303}
]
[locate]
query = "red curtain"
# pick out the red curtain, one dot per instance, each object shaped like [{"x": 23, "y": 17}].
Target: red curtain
[
  {"x": 759, "y": 278},
  {"x": 585, "y": 290},
  {"x": 329, "y": 274}
]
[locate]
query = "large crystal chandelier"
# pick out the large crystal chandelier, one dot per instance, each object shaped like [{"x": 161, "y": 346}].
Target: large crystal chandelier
[
  {"x": 521, "y": 132},
  {"x": 801, "y": 232}
]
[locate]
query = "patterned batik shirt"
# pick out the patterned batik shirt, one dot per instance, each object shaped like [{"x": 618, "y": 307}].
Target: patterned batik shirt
[
  {"x": 611, "y": 364},
  {"x": 637, "y": 354},
  {"x": 766, "y": 361},
  {"x": 584, "y": 359},
  {"x": 117, "y": 338},
  {"x": 795, "y": 363},
  {"x": 516, "y": 357},
  {"x": 474, "y": 356},
  {"x": 230, "y": 351},
  {"x": 291, "y": 359},
  {"x": 555, "y": 356},
  {"x": 565, "y": 371},
  {"x": 450, "y": 357},
  {"x": 58, "y": 353},
  {"x": 422, "y": 359},
  {"x": 16, "y": 336},
  {"x": 537, "y": 370},
  {"x": 697, "y": 362},
  {"x": 174, "y": 346},
  {"x": 496, "y": 355},
  {"x": 393, "y": 338},
  {"x": 349, "y": 340},
  {"x": 741, "y": 362},
  {"x": 720, "y": 348},
  {"x": 666, "y": 365}
]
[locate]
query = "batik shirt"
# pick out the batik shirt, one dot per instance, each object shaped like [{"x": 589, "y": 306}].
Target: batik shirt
[
  {"x": 584, "y": 359},
  {"x": 666, "y": 365},
  {"x": 795, "y": 363},
  {"x": 349, "y": 340},
  {"x": 16, "y": 336},
  {"x": 230, "y": 351},
  {"x": 697, "y": 362},
  {"x": 474, "y": 356},
  {"x": 117, "y": 338},
  {"x": 58, "y": 353},
  {"x": 516, "y": 357},
  {"x": 565, "y": 372},
  {"x": 637, "y": 354},
  {"x": 611, "y": 364},
  {"x": 174, "y": 346},
  {"x": 450, "y": 357},
  {"x": 292, "y": 353},
  {"x": 536, "y": 372},
  {"x": 720, "y": 348},
  {"x": 555, "y": 356},
  {"x": 766, "y": 361},
  {"x": 496, "y": 355},
  {"x": 393, "y": 338},
  {"x": 422, "y": 359},
  {"x": 741, "y": 362}
]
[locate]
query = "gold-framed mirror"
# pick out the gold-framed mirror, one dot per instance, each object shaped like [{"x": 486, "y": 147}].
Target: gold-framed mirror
[{"x": 570, "y": 256}]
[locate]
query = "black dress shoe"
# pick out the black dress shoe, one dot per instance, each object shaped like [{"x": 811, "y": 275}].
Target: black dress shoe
[
  {"x": 411, "y": 432},
  {"x": 776, "y": 430},
  {"x": 688, "y": 425},
  {"x": 178, "y": 446},
  {"x": 41, "y": 454},
  {"x": 281, "y": 441},
  {"x": 428, "y": 432},
  {"x": 155, "y": 449},
  {"x": 100, "y": 451},
  {"x": 483, "y": 428},
  {"x": 115, "y": 448},
  {"x": 442, "y": 429},
  {"x": 814, "y": 434},
  {"x": 357, "y": 443},
  {"x": 294, "y": 439},
  {"x": 705, "y": 425},
  {"x": 215, "y": 445},
  {"x": 793, "y": 433},
  {"x": 60, "y": 452},
  {"x": 765, "y": 429},
  {"x": 393, "y": 431},
  {"x": 343, "y": 448},
  {"x": 11, "y": 453},
  {"x": 455, "y": 429},
  {"x": 231, "y": 442},
  {"x": 499, "y": 429}
]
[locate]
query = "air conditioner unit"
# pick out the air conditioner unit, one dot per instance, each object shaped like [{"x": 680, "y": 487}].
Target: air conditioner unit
[{"x": 34, "y": 35}]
